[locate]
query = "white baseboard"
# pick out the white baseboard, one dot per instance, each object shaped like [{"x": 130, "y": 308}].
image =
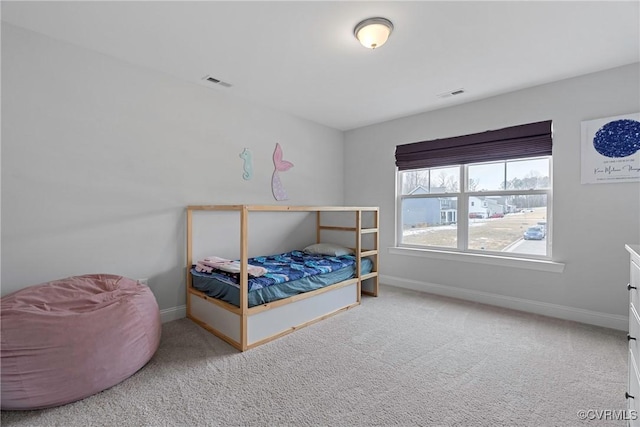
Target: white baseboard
[
  {"x": 173, "y": 313},
  {"x": 606, "y": 320}
]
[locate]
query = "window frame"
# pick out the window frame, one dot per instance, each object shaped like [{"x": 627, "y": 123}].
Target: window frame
[{"x": 463, "y": 196}]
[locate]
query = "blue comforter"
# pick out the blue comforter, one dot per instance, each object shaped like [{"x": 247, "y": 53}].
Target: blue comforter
[{"x": 287, "y": 267}]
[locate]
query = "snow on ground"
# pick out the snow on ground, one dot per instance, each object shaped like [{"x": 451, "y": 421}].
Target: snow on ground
[{"x": 417, "y": 231}]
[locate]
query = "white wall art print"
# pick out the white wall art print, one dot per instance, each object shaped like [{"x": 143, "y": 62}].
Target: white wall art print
[{"x": 611, "y": 150}]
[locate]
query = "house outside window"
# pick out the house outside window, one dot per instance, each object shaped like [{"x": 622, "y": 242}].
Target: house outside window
[{"x": 499, "y": 206}]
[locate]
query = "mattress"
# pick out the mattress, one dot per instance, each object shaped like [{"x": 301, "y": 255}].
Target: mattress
[{"x": 288, "y": 274}]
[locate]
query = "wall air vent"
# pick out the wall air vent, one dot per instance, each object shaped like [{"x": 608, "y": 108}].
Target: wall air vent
[
  {"x": 215, "y": 81},
  {"x": 451, "y": 93}
]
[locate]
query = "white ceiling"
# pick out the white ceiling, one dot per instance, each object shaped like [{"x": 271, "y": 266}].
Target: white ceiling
[{"x": 301, "y": 57}]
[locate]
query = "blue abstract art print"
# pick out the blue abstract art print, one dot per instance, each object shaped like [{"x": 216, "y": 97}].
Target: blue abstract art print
[{"x": 611, "y": 150}]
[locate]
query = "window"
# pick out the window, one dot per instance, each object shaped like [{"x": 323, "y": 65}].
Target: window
[{"x": 497, "y": 206}]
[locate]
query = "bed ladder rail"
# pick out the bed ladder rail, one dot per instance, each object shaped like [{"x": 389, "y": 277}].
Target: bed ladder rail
[{"x": 372, "y": 284}]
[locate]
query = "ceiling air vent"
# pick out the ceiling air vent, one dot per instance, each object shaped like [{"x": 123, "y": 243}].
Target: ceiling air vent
[
  {"x": 215, "y": 81},
  {"x": 451, "y": 93}
]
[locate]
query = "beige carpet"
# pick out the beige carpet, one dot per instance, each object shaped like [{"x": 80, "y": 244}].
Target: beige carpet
[{"x": 405, "y": 359}]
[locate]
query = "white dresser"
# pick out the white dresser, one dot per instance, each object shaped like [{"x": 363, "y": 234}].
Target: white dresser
[{"x": 633, "y": 387}]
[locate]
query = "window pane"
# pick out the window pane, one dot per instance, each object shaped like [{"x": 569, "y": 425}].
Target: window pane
[
  {"x": 430, "y": 221},
  {"x": 445, "y": 180},
  {"x": 415, "y": 181},
  {"x": 528, "y": 174},
  {"x": 486, "y": 177},
  {"x": 512, "y": 223}
]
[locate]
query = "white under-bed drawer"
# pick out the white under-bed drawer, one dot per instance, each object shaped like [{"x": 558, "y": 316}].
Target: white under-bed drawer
[
  {"x": 222, "y": 321},
  {"x": 277, "y": 320},
  {"x": 271, "y": 322}
]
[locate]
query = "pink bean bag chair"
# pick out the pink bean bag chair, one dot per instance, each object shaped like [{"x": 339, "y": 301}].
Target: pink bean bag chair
[{"x": 65, "y": 340}]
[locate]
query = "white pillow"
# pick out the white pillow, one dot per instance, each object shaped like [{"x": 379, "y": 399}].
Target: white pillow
[{"x": 330, "y": 249}]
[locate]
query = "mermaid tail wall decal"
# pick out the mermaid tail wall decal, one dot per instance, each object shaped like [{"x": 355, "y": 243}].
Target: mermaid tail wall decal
[
  {"x": 277, "y": 188},
  {"x": 280, "y": 166}
]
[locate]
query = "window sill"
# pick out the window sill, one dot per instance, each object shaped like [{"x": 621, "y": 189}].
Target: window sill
[{"x": 525, "y": 263}]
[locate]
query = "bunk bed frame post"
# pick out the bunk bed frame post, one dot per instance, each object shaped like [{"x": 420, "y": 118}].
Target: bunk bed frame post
[
  {"x": 189, "y": 257},
  {"x": 359, "y": 251},
  {"x": 376, "y": 243},
  {"x": 318, "y": 213},
  {"x": 244, "y": 276}
]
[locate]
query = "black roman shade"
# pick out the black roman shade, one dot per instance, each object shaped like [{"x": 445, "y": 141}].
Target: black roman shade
[{"x": 529, "y": 140}]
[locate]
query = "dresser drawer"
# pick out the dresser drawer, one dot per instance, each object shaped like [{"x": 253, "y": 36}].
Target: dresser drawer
[
  {"x": 634, "y": 330},
  {"x": 633, "y": 399},
  {"x": 634, "y": 275},
  {"x": 634, "y": 288}
]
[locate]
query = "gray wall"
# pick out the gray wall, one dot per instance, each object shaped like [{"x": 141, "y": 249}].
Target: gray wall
[
  {"x": 591, "y": 223},
  {"x": 100, "y": 158}
]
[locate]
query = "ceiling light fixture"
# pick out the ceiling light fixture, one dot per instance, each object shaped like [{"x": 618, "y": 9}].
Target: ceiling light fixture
[{"x": 373, "y": 32}]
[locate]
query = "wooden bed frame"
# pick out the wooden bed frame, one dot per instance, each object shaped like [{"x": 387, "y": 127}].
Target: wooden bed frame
[{"x": 244, "y": 327}]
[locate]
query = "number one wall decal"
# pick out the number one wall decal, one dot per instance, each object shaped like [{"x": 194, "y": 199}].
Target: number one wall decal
[{"x": 280, "y": 166}]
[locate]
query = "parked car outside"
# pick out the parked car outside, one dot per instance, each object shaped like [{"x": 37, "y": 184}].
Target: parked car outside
[
  {"x": 534, "y": 233},
  {"x": 496, "y": 215},
  {"x": 543, "y": 226}
]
